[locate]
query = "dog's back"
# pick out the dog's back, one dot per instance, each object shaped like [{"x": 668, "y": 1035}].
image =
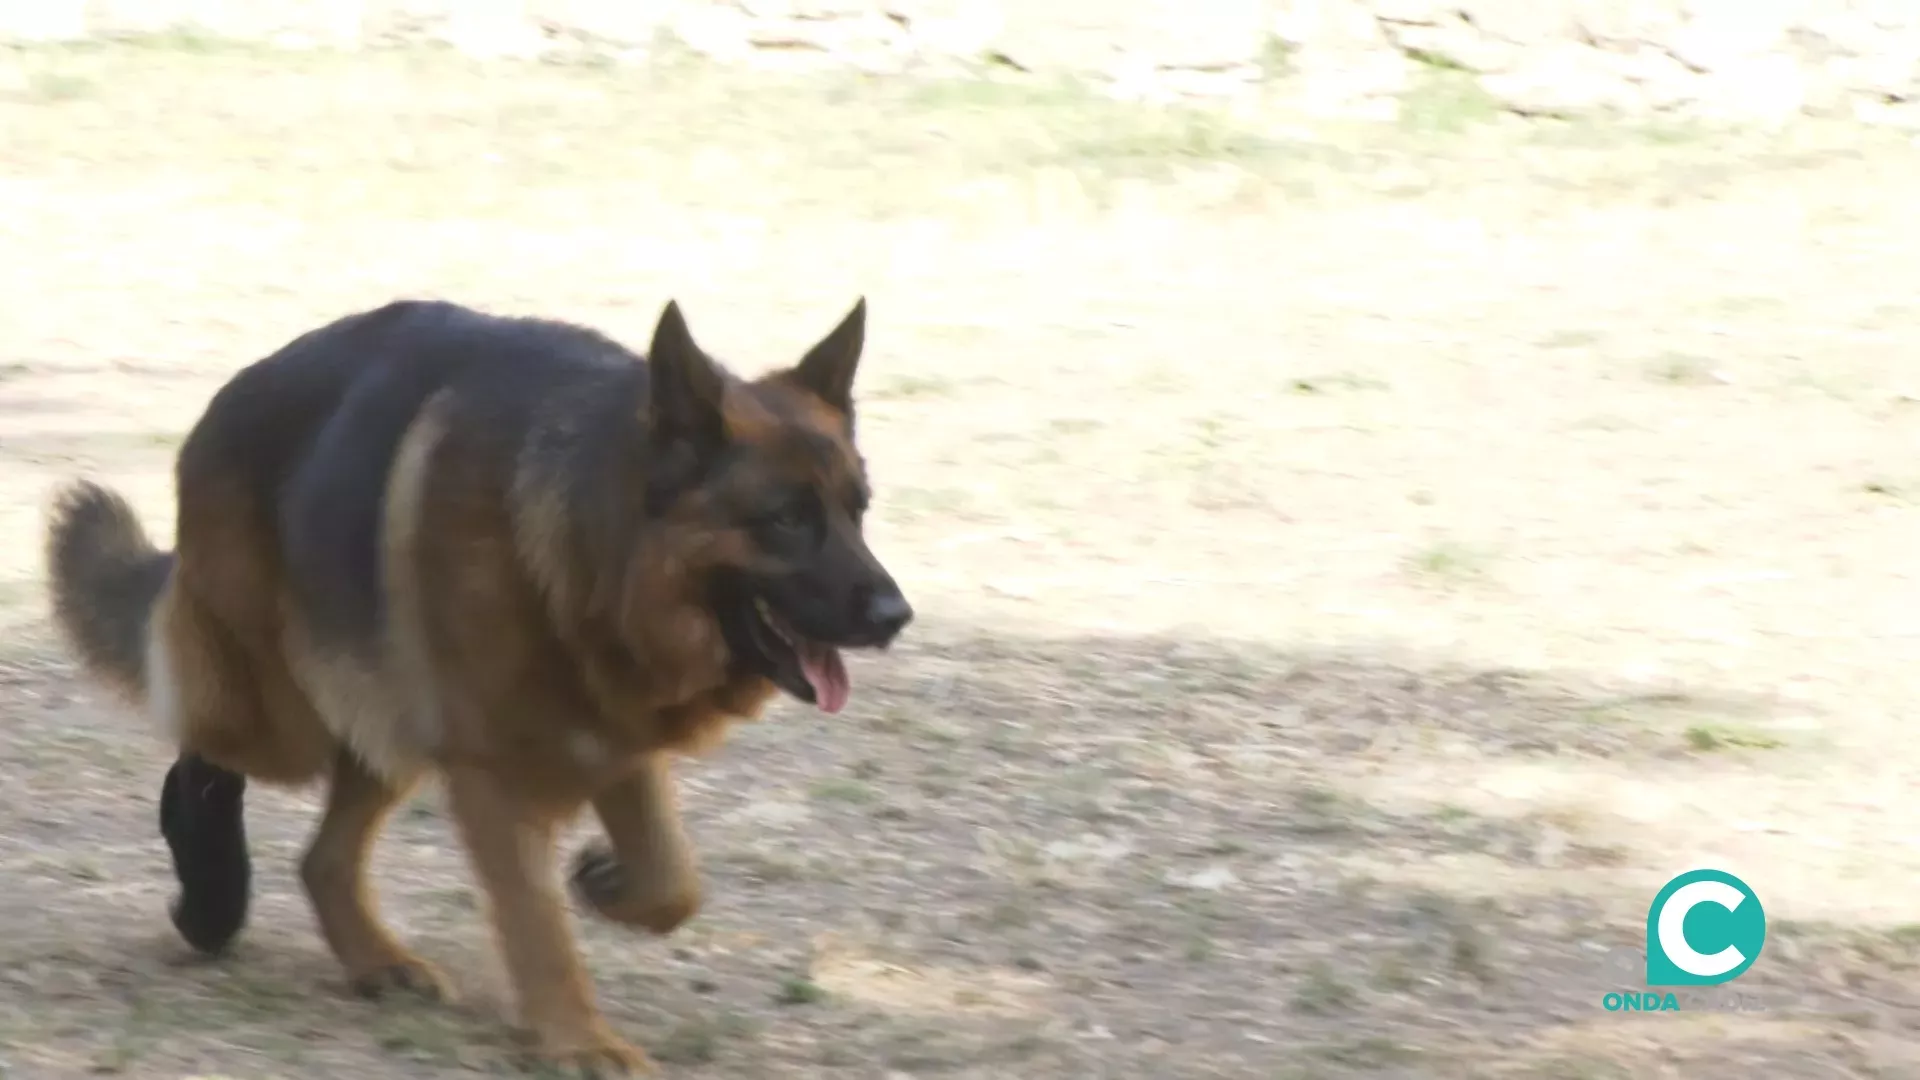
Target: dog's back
[{"x": 282, "y": 488}]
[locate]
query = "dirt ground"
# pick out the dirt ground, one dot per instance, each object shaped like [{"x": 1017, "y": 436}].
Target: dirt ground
[{"x": 1356, "y": 567}]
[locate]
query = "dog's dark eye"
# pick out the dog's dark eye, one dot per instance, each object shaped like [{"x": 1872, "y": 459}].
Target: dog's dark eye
[{"x": 794, "y": 518}]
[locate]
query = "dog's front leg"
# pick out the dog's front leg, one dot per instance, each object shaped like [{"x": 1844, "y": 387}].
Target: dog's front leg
[
  {"x": 648, "y": 877},
  {"x": 511, "y": 846}
]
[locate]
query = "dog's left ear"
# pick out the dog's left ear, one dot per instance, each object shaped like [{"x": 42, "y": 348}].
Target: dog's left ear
[{"x": 828, "y": 368}]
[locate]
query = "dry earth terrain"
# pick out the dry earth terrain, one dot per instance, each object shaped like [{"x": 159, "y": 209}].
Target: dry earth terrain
[{"x": 1356, "y": 566}]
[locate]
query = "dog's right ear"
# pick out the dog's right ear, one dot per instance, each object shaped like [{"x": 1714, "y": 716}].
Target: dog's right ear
[
  {"x": 685, "y": 386},
  {"x": 828, "y": 368}
]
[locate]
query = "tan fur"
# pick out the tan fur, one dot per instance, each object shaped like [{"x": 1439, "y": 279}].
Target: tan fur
[
  {"x": 236, "y": 704},
  {"x": 334, "y": 871},
  {"x": 643, "y": 823},
  {"x": 164, "y": 704}
]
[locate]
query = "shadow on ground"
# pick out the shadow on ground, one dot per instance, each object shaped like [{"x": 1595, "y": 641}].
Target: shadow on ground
[{"x": 1015, "y": 854}]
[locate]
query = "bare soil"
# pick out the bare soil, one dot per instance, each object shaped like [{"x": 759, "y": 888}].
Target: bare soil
[{"x": 1356, "y": 567}]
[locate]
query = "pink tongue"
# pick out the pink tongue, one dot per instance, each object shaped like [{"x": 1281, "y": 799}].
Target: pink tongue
[{"x": 827, "y": 673}]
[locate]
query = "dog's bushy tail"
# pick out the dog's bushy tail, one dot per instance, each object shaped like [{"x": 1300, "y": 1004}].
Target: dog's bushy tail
[{"x": 105, "y": 576}]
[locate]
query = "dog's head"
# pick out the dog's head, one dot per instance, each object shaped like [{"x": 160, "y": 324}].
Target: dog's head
[{"x": 769, "y": 468}]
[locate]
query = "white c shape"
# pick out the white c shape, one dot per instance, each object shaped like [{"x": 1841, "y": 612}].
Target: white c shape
[{"x": 1673, "y": 935}]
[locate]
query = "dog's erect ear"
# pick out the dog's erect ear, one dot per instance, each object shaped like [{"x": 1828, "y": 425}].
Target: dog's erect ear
[
  {"x": 828, "y": 368},
  {"x": 685, "y": 385}
]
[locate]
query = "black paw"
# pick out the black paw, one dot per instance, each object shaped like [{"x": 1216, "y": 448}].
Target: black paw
[
  {"x": 598, "y": 878},
  {"x": 603, "y": 883},
  {"x": 202, "y": 817}
]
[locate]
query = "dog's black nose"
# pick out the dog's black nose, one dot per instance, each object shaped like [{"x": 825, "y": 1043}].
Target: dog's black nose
[{"x": 888, "y": 612}]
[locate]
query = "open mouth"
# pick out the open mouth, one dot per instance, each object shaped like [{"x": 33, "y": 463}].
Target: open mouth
[{"x": 809, "y": 670}]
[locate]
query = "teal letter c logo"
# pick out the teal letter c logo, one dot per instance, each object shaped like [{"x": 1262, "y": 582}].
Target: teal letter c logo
[{"x": 1704, "y": 928}]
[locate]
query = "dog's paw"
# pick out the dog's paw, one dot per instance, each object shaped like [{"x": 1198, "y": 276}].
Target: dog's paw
[
  {"x": 598, "y": 879},
  {"x": 601, "y": 882},
  {"x": 408, "y": 975},
  {"x": 594, "y": 1055}
]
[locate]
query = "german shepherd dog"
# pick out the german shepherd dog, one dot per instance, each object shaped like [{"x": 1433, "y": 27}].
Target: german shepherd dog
[{"x": 507, "y": 552}]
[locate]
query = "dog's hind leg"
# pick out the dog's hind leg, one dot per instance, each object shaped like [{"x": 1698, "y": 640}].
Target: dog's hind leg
[
  {"x": 203, "y": 819},
  {"x": 334, "y": 871},
  {"x": 649, "y": 877},
  {"x": 199, "y": 698}
]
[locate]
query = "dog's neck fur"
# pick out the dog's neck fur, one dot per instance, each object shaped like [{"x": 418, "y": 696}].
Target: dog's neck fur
[{"x": 597, "y": 556}]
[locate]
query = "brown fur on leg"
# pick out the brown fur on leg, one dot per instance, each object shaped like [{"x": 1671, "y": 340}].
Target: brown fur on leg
[
  {"x": 512, "y": 852},
  {"x": 335, "y": 874},
  {"x": 648, "y": 878},
  {"x": 209, "y": 696}
]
